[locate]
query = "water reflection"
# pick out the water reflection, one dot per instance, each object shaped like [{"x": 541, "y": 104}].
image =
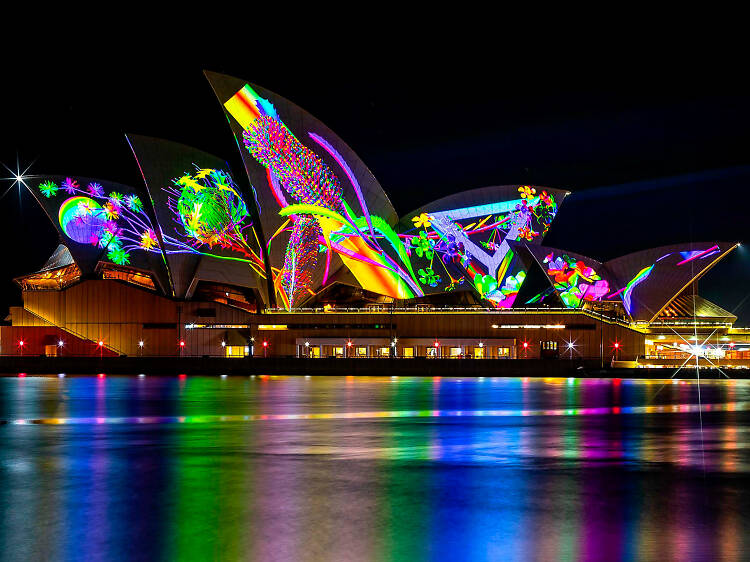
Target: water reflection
[{"x": 348, "y": 468}]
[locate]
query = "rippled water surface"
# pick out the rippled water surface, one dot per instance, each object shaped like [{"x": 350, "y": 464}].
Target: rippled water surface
[{"x": 344, "y": 468}]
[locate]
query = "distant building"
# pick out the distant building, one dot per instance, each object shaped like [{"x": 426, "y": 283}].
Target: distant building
[{"x": 309, "y": 258}]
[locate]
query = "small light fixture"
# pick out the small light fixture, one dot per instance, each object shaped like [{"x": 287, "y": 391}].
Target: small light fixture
[
  {"x": 223, "y": 344},
  {"x": 481, "y": 345},
  {"x": 140, "y": 343},
  {"x": 100, "y": 343},
  {"x": 182, "y": 343},
  {"x": 60, "y": 343},
  {"x": 307, "y": 344}
]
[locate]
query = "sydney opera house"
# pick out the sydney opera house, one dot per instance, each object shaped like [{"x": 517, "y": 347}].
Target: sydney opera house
[{"x": 305, "y": 256}]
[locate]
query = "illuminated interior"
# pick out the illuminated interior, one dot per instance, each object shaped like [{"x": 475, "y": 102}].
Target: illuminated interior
[
  {"x": 128, "y": 275},
  {"x": 230, "y": 295},
  {"x": 50, "y": 280}
]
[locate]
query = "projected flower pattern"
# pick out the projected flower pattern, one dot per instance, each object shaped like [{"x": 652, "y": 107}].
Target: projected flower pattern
[
  {"x": 475, "y": 249},
  {"x": 574, "y": 281},
  {"x": 205, "y": 204},
  {"x": 112, "y": 222},
  {"x": 210, "y": 213},
  {"x": 317, "y": 214}
]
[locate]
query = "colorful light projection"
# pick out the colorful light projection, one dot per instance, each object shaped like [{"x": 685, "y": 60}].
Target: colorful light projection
[
  {"x": 318, "y": 219},
  {"x": 574, "y": 281},
  {"x": 471, "y": 245},
  {"x": 206, "y": 205},
  {"x": 116, "y": 223},
  {"x": 644, "y": 274},
  {"x": 211, "y": 214}
]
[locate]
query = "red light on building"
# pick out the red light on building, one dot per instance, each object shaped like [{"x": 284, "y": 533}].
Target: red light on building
[
  {"x": 617, "y": 345},
  {"x": 348, "y": 344},
  {"x": 182, "y": 343},
  {"x": 21, "y": 343},
  {"x": 101, "y": 343},
  {"x": 22, "y": 375},
  {"x": 265, "y": 344},
  {"x": 436, "y": 344},
  {"x": 731, "y": 344},
  {"x": 525, "y": 345}
]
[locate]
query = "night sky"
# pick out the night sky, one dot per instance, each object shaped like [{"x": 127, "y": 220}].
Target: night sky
[{"x": 651, "y": 157}]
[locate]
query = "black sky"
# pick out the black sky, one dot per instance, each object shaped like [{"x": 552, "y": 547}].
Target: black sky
[{"x": 654, "y": 154}]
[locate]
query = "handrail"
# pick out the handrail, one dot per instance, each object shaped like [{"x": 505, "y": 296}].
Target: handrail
[
  {"x": 70, "y": 331},
  {"x": 439, "y": 310}
]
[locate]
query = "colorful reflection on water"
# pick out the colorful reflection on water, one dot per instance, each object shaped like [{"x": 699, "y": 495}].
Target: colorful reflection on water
[{"x": 346, "y": 468}]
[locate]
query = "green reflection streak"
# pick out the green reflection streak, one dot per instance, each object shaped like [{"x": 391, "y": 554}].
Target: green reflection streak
[
  {"x": 570, "y": 519},
  {"x": 405, "y": 500},
  {"x": 207, "y": 498}
]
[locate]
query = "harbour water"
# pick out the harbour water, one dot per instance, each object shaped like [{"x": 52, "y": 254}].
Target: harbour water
[{"x": 391, "y": 468}]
